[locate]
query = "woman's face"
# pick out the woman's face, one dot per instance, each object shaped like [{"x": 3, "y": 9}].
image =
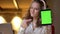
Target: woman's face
[{"x": 34, "y": 9}]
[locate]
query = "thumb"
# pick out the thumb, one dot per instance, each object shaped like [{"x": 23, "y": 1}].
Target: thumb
[{"x": 28, "y": 20}]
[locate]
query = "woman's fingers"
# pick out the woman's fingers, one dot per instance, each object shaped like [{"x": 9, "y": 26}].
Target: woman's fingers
[
  {"x": 28, "y": 20},
  {"x": 25, "y": 21}
]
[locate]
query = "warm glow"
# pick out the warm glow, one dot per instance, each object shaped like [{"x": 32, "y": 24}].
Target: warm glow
[
  {"x": 2, "y": 20},
  {"x": 16, "y": 22}
]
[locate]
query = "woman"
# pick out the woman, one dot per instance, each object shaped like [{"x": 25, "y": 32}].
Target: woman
[{"x": 31, "y": 23}]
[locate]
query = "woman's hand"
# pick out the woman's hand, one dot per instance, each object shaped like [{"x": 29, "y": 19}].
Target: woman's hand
[{"x": 24, "y": 22}]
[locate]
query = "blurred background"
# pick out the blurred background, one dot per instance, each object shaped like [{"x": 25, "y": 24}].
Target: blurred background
[{"x": 13, "y": 11}]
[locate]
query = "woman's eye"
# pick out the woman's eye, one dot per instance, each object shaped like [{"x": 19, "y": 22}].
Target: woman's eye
[
  {"x": 34, "y": 8},
  {"x": 37, "y": 8},
  {"x": 31, "y": 8}
]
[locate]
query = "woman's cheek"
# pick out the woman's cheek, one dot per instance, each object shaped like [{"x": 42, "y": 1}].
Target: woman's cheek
[
  {"x": 36, "y": 12},
  {"x": 30, "y": 11}
]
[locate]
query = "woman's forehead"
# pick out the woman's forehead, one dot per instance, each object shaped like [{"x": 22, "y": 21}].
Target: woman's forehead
[{"x": 35, "y": 4}]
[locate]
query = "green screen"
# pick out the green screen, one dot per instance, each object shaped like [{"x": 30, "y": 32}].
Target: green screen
[{"x": 46, "y": 17}]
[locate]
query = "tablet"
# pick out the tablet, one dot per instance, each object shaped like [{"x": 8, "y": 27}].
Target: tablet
[{"x": 46, "y": 17}]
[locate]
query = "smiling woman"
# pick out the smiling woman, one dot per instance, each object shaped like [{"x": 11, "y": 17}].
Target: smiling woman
[{"x": 31, "y": 23}]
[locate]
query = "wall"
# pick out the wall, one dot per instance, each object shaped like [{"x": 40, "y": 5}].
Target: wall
[{"x": 56, "y": 9}]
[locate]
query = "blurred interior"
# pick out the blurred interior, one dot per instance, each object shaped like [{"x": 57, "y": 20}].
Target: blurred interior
[{"x": 12, "y": 11}]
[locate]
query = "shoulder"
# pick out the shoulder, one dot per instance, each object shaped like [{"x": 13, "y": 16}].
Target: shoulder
[{"x": 47, "y": 27}]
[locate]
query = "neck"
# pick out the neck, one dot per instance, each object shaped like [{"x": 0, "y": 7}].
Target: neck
[
  {"x": 34, "y": 22},
  {"x": 35, "y": 19}
]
